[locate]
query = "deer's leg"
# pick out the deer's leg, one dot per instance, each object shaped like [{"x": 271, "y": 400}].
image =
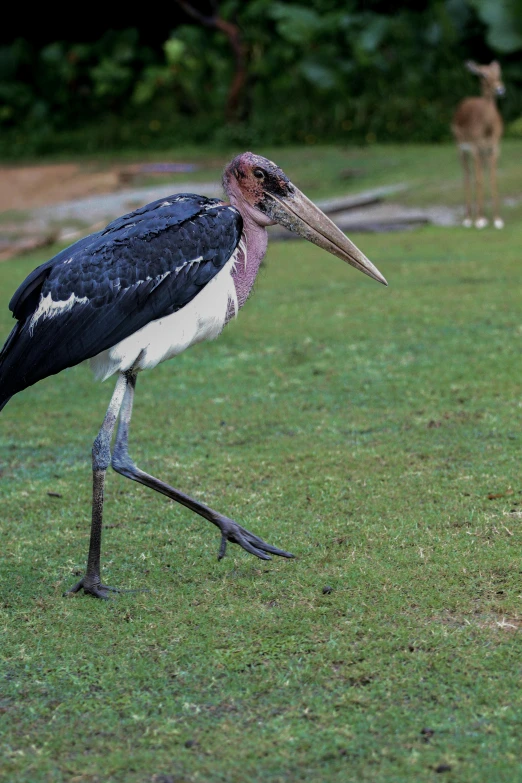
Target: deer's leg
[
  {"x": 480, "y": 219},
  {"x": 493, "y": 159},
  {"x": 464, "y": 159}
]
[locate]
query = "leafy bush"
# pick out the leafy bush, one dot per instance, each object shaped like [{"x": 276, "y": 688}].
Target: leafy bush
[{"x": 325, "y": 70}]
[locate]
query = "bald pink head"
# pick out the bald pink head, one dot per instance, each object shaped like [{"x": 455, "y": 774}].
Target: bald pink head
[
  {"x": 249, "y": 179},
  {"x": 264, "y": 195}
]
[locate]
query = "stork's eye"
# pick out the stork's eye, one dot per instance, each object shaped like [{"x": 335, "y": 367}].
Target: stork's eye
[{"x": 259, "y": 174}]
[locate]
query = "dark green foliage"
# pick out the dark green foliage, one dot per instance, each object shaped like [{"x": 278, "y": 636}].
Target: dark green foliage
[{"x": 323, "y": 70}]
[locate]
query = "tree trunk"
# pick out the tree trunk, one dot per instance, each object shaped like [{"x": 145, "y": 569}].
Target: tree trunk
[{"x": 233, "y": 34}]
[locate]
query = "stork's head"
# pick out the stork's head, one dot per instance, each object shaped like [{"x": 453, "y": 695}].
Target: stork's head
[{"x": 263, "y": 193}]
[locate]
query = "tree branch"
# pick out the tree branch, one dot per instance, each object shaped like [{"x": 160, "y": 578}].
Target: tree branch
[{"x": 233, "y": 34}]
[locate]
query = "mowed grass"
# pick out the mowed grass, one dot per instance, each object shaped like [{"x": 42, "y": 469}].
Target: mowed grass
[{"x": 374, "y": 432}]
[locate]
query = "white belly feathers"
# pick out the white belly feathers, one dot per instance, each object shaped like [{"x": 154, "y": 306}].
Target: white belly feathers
[{"x": 202, "y": 319}]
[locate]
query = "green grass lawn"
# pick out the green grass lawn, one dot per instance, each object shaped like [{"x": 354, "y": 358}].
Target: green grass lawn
[{"x": 374, "y": 432}]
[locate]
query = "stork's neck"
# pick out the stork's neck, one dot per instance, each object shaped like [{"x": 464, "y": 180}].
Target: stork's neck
[{"x": 254, "y": 239}]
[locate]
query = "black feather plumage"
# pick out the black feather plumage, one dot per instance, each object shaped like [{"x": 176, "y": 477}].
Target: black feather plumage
[{"x": 141, "y": 267}]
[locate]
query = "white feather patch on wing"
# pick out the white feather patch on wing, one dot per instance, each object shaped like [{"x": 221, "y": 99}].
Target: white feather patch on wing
[
  {"x": 48, "y": 308},
  {"x": 203, "y": 318},
  {"x": 242, "y": 248}
]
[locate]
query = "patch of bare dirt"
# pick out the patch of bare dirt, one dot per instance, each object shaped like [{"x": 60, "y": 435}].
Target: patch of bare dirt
[{"x": 28, "y": 187}]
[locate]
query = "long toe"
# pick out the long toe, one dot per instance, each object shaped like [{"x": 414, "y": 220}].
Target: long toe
[
  {"x": 231, "y": 531},
  {"x": 260, "y": 544},
  {"x": 95, "y": 589}
]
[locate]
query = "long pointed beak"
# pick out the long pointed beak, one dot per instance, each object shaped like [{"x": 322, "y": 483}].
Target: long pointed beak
[{"x": 299, "y": 214}]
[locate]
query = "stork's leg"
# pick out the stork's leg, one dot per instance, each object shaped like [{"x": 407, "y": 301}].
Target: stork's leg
[
  {"x": 101, "y": 459},
  {"x": 230, "y": 530}
]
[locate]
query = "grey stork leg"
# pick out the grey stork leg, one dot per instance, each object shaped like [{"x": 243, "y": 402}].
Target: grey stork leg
[
  {"x": 101, "y": 459},
  {"x": 230, "y": 530}
]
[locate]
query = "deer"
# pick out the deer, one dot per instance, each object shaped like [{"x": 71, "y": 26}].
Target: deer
[{"x": 477, "y": 127}]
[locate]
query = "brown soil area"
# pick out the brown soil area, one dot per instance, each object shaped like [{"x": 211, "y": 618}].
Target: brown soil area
[{"x": 27, "y": 187}]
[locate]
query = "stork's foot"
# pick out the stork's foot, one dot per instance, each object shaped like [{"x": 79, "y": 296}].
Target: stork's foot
[
  {"x": 231, "y": 531},
  {"x": 92, "y": 587}
]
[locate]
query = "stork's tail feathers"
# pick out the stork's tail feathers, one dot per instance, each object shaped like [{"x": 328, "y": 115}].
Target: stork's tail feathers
[
  {"x": 7, "y": 388},
  {"x": 5, "y": 395}
]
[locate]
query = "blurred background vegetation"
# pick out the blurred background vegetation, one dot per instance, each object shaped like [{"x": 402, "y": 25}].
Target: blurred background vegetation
[{"x": 244, "y": 73}]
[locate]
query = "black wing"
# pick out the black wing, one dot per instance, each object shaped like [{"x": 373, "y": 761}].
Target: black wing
[{"x": 142, "y": 266}]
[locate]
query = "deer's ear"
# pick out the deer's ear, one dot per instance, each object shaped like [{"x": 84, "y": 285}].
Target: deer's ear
[
  {"x": 495, "y": 65},
  {"x": 473, "y": 67}
]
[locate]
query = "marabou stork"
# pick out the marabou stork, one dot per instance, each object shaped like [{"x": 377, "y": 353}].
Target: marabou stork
[{"x": 148, "y": 286}]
